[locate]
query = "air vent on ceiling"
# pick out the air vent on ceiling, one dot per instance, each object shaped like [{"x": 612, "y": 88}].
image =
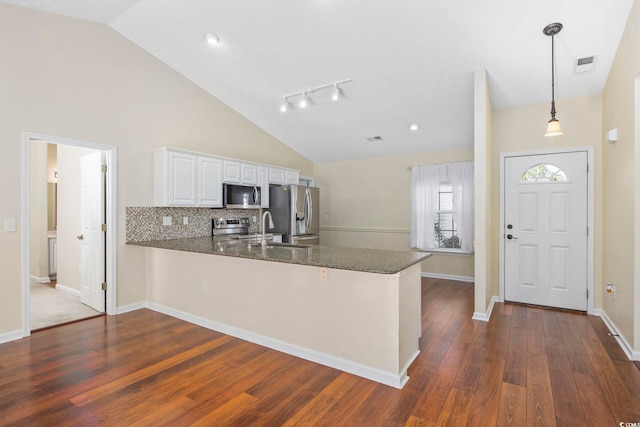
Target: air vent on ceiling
[
  {"x": 374, "y": 138},
  {"x": 585, "y": 65}
]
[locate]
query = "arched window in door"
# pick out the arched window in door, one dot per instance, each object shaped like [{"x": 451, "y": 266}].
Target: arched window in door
[{"x": 543, "y": 173}]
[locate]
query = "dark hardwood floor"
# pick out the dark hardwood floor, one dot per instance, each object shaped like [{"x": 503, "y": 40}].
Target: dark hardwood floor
[{"x": 527, "y": 366}]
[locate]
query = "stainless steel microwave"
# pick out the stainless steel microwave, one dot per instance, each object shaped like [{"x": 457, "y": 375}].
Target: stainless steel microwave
[{"x": 241, "y": 196}]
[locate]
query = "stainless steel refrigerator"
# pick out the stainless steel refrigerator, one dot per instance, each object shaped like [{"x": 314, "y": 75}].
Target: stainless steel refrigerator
[{"x": 296, "y": 213}]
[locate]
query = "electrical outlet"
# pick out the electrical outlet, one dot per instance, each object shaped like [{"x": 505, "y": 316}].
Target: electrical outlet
[
  {"x": 205, "y": 286},
  {"x": 324, "y": 275},
  {"x": 166, "y": 220},
  {"x": 611, "y": 289}
]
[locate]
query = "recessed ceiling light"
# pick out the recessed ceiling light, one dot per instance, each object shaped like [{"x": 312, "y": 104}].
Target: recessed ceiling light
[
  {"x": 413, "y": 127},
  {"x": 212, "y": 38}
]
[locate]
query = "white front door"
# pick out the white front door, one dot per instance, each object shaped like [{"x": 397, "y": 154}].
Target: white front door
[
  {"x": 92, "y": 255},
  {"x": 545, "y": 219}
]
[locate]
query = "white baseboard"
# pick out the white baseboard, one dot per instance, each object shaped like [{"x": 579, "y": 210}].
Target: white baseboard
[
  {"x": 622, "y": 341},
  {"x": 11, "y": 336},
  {"x": 68, "y": 290},
  {"x": 397, "y": 381},
  {"x": 132, "y": 307},
  {"x": 448, "y": 277},
  {"x": 486, "y": 316},
  {"x": 40, "y": 279}
]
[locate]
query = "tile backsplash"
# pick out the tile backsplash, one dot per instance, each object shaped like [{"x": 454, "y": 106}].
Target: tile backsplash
[{"x": 145, "y": 223}]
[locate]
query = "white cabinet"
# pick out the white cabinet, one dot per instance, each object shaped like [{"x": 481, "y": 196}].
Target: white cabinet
[
  {"x": 178, "y": 182},
  {"x": 291, "y": 177},
  {"x": 209, "y": 182},
  {"x": 249, "y": 174},
  {"x": 183, "y": 179},
  {"x": 263, "y": 175},
  {"x": 276, "y": 176},
  {"x": 232, "y": 172}
]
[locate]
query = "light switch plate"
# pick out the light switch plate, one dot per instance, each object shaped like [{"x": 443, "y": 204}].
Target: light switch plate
[
  {"x": 166, "y": 220},
  {"x": 10, "y": 225}
]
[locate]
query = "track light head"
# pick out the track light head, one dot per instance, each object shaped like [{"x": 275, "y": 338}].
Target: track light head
[
  {"x": 303, "y": 101},
  {"x": 284, "y": 106},
  {"x": 335, "y": 95}
]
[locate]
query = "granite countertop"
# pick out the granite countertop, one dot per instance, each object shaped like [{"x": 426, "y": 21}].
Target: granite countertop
[{"x": 365, "y": 260}]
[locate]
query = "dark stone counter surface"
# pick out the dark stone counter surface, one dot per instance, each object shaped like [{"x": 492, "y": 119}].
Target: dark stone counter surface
[{"x": 366, "y": 260}]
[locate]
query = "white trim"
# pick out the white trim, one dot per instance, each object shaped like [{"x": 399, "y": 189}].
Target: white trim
[
  {"x": 590, "y": 216},
  {"x": 447, "y": 277},
  {"x": 366, "y": 229},
  {"x": 615, "y": 332},
  {"x": 397, "y": 381},
  {"x": 485, "y": 317},
  {"x": 132, "y": 307},
  {"x": 44, "y": 279},
  {"x": 111, "y": 152},
  {"x": 68, "y": 290},
  {"x": 10, "y": 336}
]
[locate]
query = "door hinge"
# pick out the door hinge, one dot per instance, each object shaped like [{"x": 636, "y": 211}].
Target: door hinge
[
  {"x": 103, "y": 286},
  {"x": 103, "y": 168},
  {"x": 104, "y": 227},
  {"x": 587, "y": 294}
]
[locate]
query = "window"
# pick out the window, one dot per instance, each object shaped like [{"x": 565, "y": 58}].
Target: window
[
  {"x": 444, "y": 227},
  {"x": 543, "y": 173},
  {"x": 442, "y": 207}
]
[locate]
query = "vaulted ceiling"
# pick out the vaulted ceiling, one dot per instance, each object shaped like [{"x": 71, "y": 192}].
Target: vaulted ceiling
[{"x": 410, "y": 62}]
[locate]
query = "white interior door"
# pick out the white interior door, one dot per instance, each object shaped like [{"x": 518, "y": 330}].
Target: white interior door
[
  {"x": 92, "y": 255},
  {"x": 546, "y": 231}
]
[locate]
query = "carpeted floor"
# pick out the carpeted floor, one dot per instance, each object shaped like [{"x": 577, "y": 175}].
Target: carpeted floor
[{"x": 52, "y": 307}]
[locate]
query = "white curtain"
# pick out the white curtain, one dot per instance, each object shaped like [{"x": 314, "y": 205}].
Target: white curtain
[{"x": 425, "y": 186}]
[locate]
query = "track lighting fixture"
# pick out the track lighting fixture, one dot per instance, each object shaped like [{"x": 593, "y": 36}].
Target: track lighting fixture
[
  {"x": 304, "y": 94},
  {"x": 553, "y": 126}
]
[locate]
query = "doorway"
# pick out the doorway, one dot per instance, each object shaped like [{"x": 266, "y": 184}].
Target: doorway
[
  {"x": 84, "y": 206},
  {"x": 546, "y": 216}
]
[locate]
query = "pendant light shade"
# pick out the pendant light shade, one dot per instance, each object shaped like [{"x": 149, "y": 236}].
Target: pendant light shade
[{"x": 553, "y": 125}]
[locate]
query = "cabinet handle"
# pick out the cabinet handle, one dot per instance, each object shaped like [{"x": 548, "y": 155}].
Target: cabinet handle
[{"x": 80, "y": 237}]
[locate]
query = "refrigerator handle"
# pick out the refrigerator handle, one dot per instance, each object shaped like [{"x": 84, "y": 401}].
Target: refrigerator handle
[{"x": 309, "y": 208}]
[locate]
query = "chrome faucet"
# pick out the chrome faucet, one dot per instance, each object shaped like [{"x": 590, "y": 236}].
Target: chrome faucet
[{"x": 264, "y": 216}]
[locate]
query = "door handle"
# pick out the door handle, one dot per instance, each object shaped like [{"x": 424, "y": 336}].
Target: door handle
[
  {"x": 511, "y": 237},
  {"x": 80, "y": 237}
]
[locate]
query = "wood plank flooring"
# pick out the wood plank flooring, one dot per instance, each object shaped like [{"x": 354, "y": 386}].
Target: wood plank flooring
[{"x": 527, "y": 366}]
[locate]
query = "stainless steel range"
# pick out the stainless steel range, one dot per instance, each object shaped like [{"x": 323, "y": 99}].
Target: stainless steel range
[{"x": 229, "y": 228}]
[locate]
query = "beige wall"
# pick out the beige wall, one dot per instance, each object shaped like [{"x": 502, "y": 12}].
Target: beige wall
[
  {"x": 621, "y": 166},
  {"x": 82, "y": 80},
  {"x": 368, "y": 203}
]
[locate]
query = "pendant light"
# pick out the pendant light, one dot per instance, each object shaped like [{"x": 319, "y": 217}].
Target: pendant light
[{"x": 553, "y": 126}]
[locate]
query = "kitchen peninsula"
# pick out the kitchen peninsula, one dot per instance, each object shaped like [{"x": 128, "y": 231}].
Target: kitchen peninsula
[{"x": 357, "y": 310}]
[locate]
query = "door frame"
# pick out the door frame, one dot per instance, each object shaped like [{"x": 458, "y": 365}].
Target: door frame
[
  {"x": 111, "y": 154},
  {"x": 590, "y": 216}
]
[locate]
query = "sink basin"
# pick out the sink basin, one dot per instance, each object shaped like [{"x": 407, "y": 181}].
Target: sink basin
[{"x": 273, "y": 245}]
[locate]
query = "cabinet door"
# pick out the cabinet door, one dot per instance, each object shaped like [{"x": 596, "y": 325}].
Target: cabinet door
[
  {"x": 292, "y": 177},
  {"x": 263, "y": 174},
  {"x": 182, "y": 179},
  {"x": 209, "y": 182},
  {"x": 232, "y": 173},
  {"x": 276, "y": 176},
  {"x": 249, "y": 174}
]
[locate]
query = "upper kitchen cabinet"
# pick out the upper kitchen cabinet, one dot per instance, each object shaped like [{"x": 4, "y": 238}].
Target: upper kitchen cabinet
[
  {"x": 185, "y": 179},
  {"x": 175, "y": 178},
  {"x": 209, "y": 182},
  {"x": 291, "y": 177}
]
